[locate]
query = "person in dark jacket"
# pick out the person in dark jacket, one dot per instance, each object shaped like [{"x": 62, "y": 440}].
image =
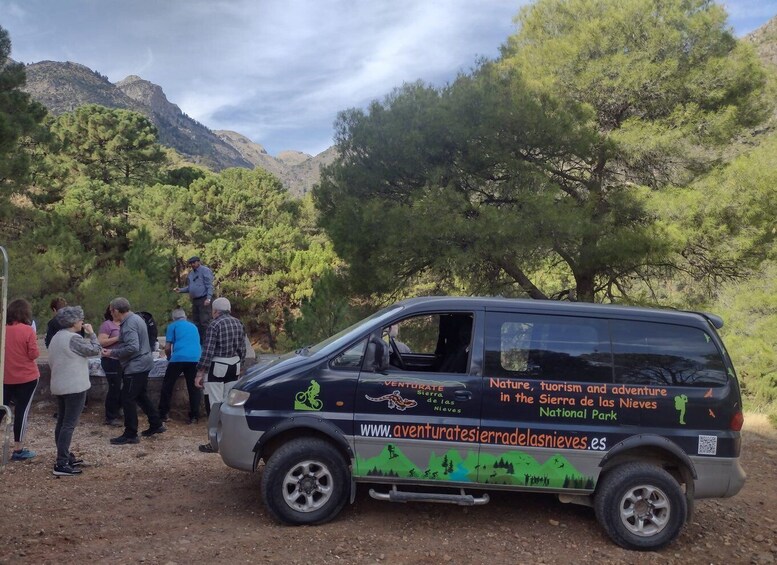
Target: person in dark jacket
[{"x": 53, "y": 326}]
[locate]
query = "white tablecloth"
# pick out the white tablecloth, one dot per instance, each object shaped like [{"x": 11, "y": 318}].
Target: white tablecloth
[{"x": 158, "y": 371}]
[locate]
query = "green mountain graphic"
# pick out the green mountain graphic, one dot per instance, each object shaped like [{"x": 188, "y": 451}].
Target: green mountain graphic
[{"x": 509, "y": 468}]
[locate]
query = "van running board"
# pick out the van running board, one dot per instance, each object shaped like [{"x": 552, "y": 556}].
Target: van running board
[{"x": 462, "y": 499}]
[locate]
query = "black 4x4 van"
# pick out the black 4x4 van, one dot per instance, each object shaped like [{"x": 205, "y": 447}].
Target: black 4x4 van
[{"x": 633, "y": 411}]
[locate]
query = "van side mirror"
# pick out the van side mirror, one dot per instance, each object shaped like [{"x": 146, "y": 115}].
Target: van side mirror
[{"x": 377, "y": 358}]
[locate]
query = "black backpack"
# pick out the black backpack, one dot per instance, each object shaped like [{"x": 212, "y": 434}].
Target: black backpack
[{"x": 151, "y": 328}]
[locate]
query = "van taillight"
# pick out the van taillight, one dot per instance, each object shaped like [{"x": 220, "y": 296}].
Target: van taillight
[{"x": 736, "y": 421}]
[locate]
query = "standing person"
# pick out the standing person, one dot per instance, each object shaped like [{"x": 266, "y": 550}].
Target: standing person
[
  {"x": 199, "y": 285},
  {"x": 108, "y": 336},
  {"x": 68, "y": 353},
  {"x": 182, "y": 347},
  {"x": 21, "y": 371},
  {"x": 225, "y": 350},
  {"x": 53, "y": 326},
  {"x": 134, "y": 353}
]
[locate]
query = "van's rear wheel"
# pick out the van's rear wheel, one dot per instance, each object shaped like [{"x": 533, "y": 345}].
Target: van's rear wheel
[
  {"x": 305, "y": 482},
  {"x": 640, "y": 506}
]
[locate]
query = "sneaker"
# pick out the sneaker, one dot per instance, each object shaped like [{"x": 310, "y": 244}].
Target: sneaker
[
  {"x": 122, "y": 439},
  {"x": 151, "y": 431},
  {"x": 66, "y": 471},
  {"x": 193, "y": 420},
  {"x": 22, "y": 455},
  {"x": 207, "y": 448},
  {"x": 113, "y": 422},
  {"x": 74, "y": 461}
]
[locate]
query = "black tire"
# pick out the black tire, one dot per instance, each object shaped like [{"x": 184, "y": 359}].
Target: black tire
[
  {"x": 305, "y": 482},
  {"x": 640, "y": 506}
]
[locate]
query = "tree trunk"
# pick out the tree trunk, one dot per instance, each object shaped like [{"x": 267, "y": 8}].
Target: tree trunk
[
  {"x": 584, "y": 290},
  {"x": 520, "y": 277}
]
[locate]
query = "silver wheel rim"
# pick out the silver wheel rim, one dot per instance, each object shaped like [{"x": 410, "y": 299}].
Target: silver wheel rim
[
  {"x": 645, "y": 510},
  {"x": 307, "y": 486}
]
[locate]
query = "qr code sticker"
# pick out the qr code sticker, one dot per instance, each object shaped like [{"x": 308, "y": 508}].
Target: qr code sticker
[{"x": 708, "y": 445}]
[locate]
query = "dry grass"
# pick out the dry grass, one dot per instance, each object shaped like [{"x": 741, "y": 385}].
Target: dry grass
[{"x": 759, "y": 423}]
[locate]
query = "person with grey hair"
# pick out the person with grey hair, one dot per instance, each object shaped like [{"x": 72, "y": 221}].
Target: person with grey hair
[
  {"x": 68, "y": 353},
  {"x": 134, "y": 353},
  {"x": 182, "y": 347},
  {"x": 224, "y": 352}
]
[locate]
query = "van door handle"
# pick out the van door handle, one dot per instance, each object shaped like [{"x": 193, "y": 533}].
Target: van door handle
[{"x": 462, "y": 395}]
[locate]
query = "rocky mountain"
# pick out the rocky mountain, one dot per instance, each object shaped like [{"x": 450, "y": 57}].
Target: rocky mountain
[
  {"x": 63, "y": 87},
  {"x": 298, "y": 171},
  {"x": 764, "y": 39}
]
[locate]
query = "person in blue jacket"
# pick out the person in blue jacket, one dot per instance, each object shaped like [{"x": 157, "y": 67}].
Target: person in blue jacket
[{"x": 183, "y": 350}]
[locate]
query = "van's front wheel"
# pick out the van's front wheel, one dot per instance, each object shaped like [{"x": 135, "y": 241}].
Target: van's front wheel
[
  {"x": 640, "y": 506},
  {"x": 305, "y": 482}
]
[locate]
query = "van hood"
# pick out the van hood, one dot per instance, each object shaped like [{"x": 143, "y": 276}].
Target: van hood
[{"x": 267, "y": 369}]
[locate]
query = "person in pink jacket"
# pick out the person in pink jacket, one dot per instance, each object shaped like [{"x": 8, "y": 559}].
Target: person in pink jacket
[{"x": 21, "y": 374}]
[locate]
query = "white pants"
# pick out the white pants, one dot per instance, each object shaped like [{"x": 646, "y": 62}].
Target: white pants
[{"x": 217, "y": 392}]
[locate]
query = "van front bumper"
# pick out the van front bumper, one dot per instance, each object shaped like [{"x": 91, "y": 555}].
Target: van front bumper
[{"x": 230, "y": 435}]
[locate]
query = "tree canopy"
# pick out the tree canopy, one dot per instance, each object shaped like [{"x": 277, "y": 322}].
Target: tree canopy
[
  {"x": 20, "y": 125},
  {"x": 532, "y": 175}
]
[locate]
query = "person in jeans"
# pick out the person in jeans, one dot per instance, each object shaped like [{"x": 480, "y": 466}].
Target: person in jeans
[
  {"x": 134, "y": 353},
  {"x": 21, "y": 373},
  {"x": 182, "y": 347},
  {"x": 68, "y": 353},
  {"x": 224, "y": 352},
  {"x": 108, "y": 336},
  {"x": 199, "y": 286}
]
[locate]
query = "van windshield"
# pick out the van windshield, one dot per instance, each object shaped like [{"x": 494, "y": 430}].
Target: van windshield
[{"x": 341, "y": 338}]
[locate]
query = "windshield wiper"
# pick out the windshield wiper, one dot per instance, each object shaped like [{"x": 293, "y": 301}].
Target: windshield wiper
[{"x": 304, "y": 350}]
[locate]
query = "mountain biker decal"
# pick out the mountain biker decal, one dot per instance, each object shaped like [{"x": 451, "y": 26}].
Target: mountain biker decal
[
  {"x": 395, "y": 400},
  {"x": 308, "y": 399}
]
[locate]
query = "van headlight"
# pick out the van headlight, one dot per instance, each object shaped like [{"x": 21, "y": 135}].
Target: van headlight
[{"x": 237, "y": 397}]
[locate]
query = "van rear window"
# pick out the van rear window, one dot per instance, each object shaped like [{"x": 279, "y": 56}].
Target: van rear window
[{"x": 664, "y": 354}]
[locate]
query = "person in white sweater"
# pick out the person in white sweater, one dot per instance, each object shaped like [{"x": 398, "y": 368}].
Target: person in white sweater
[{"x": 68, "y": 353}]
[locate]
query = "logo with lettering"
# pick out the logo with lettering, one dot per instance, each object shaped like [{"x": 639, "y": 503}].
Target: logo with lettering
[{"x": 395, "y": 401}]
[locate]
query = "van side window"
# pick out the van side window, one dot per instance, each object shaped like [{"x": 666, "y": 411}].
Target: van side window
[
  {"x": 351, "y": 358},
  {"x": 431, "y": 343},
  {"x": 559, "y": 348},
  {"x": 665, "y": 354}
]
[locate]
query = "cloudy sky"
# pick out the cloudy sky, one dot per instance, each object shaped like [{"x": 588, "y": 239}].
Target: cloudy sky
[{"x": 277, "y": 71}]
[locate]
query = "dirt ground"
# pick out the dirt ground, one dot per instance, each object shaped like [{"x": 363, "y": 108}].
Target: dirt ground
[{"x": 163, "y": 501}]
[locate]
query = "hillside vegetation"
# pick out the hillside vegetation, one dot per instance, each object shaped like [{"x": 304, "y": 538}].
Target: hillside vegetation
[{"x": 614, "y": 152}]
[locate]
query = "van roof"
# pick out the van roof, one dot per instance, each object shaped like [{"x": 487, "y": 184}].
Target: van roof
[{"x": 558, "y": 308}]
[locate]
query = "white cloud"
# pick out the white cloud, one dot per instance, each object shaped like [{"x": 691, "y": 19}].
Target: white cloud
[{"x": 277, "y": 71}]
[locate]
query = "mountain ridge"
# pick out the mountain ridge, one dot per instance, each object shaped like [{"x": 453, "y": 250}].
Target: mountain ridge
[{"x": 64, "y": 86}]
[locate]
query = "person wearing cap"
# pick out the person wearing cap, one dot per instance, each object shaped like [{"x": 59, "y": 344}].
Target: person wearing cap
[
  {"x": 68, "y": 353},
  {"x": 222, "y": 356},
  {"x": 182, "y": 347},
  {"x": 199, "y": 286}
]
